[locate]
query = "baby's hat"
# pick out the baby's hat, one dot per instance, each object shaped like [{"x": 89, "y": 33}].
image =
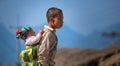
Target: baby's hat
[{"x": 22, "y": 32}]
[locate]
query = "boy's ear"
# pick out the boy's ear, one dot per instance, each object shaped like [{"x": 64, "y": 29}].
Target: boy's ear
[{"x": 51, "y": 19}]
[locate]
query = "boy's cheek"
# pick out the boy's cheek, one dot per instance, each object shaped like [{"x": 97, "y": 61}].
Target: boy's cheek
[{"x": 59, "y": 26}]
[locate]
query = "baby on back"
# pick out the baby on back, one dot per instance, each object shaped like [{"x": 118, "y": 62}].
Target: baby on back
[{"x": 28, "y": 35}]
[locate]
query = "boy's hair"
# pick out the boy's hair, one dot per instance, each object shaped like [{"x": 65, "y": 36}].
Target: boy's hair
[{"x": 53, "y": 12}]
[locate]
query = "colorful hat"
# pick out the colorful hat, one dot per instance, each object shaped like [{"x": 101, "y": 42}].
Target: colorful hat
[{"x": 23, "y": 32}]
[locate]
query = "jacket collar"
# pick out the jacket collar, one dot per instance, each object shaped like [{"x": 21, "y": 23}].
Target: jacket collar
[{"x": 48, "y": 27}]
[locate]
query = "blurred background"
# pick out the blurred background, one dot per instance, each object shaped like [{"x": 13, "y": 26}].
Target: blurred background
[{"x": 88, "y": 24}]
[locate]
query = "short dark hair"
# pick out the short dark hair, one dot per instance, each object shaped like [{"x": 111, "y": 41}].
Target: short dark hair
[{"x": 52, "y": 12}]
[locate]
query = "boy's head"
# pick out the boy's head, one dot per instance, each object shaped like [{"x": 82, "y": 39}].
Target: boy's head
[
  {"x": 55, "y": 17},
  {"x": 24, "y": 32}
]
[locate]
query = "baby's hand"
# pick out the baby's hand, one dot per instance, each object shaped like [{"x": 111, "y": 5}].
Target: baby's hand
[
  {"x": 41, "y": 32},
  {"x": 27, "y": 47}
]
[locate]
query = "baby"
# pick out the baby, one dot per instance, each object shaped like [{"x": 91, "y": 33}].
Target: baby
[{"x": 28, "y": 35}]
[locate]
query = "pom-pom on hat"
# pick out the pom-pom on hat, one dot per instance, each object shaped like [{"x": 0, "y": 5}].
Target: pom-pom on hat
[
  {"x": 23, "y": 32},
  {"x": 17, "y": 33}
]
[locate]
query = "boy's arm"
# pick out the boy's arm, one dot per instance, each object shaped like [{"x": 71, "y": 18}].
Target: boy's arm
[{"x": 44, "y": 49}]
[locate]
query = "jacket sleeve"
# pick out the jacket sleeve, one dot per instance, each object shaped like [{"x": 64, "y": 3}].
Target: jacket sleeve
[
  {"x": 33, "y": 40},
  {"x": 44, "y": 49}
]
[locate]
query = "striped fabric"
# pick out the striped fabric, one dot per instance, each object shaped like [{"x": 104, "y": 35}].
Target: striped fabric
[
  {"x": 29, "y": 57},
  {"x": 47, "y": 49},
  {"x": 33, "y": 40}
]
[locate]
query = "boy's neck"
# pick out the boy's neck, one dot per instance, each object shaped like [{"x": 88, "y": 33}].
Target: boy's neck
[{"x": 51, "y": 26}]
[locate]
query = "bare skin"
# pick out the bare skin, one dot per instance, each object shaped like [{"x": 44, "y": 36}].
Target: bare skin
[{"x": 56, "y": 22}]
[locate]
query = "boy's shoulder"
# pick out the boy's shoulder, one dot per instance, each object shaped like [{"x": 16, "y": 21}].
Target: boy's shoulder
[{"x": 49, "y": 32}]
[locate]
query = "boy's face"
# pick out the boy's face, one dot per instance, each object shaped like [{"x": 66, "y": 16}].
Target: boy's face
[{"x": 58, "y": 20}]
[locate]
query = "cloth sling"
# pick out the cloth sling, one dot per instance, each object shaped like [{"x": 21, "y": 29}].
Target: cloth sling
[{"x": 29, "y": 56}]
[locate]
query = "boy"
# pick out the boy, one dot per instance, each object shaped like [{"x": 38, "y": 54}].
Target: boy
[{"x": 48, "y": 47}]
